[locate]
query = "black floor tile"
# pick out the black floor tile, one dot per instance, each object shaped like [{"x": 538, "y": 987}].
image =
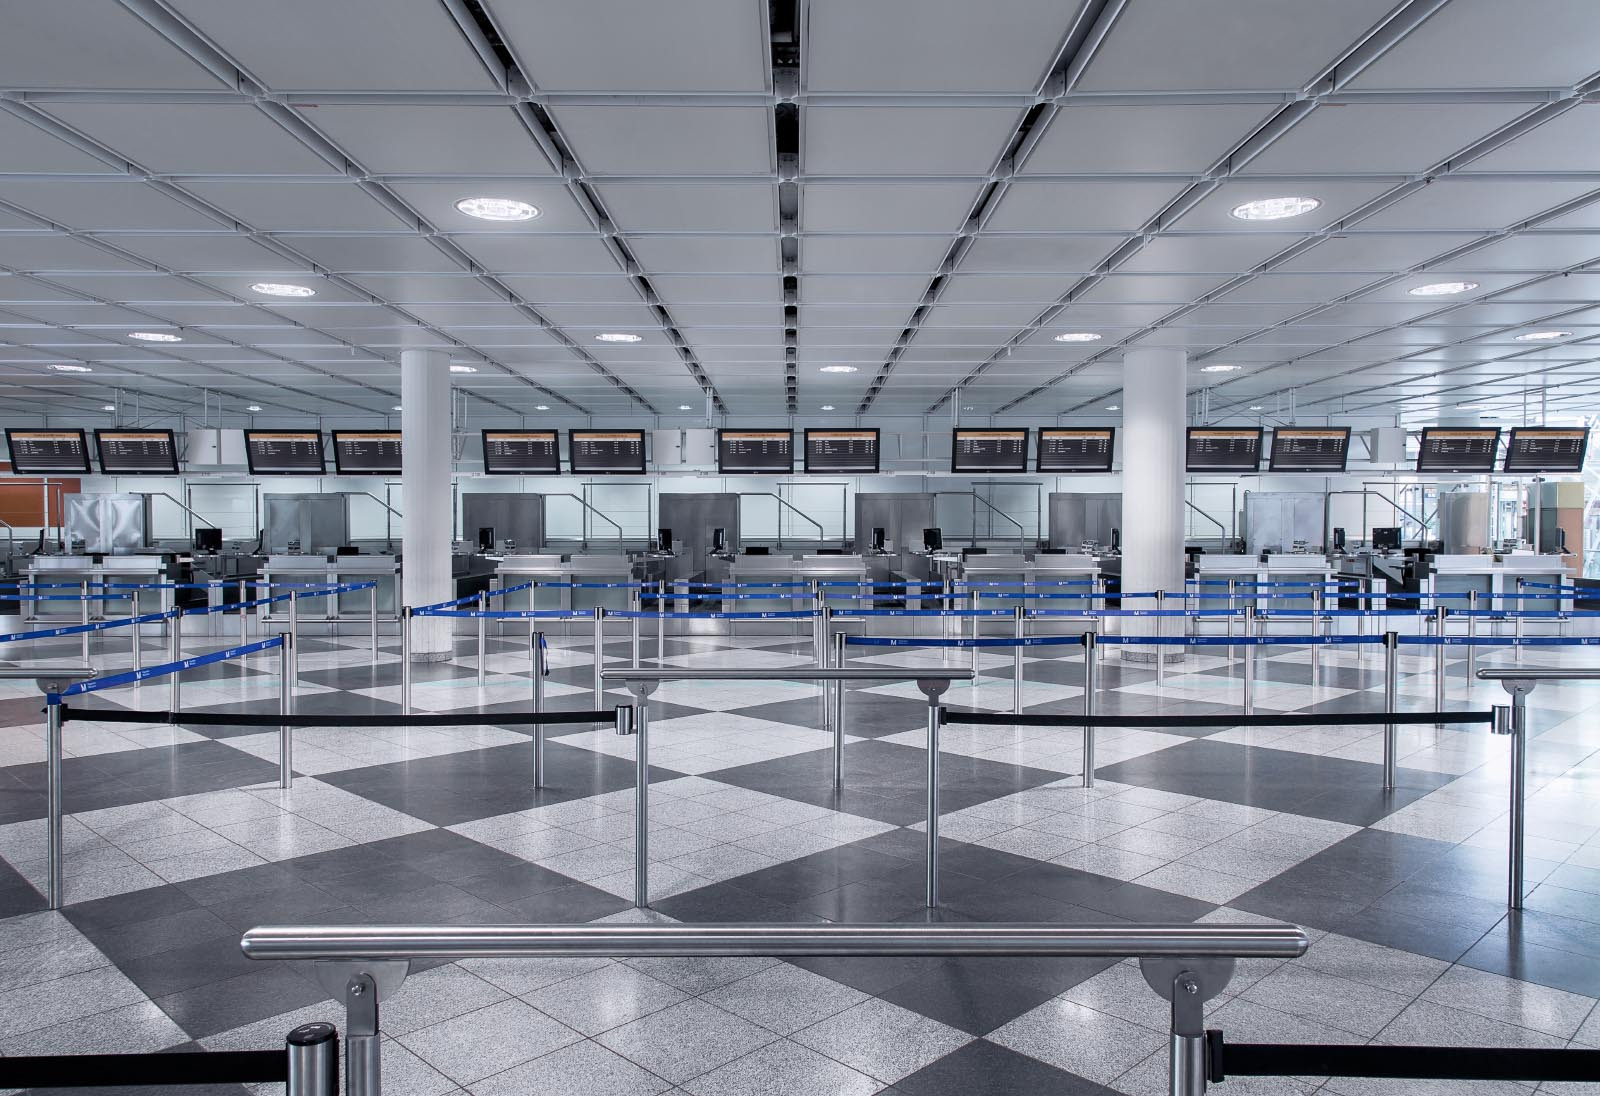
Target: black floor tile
[
  {"x": 133, "y": 776},
  {"x": 982, "y": 1068},
  {"x": 266, "y": 990},
  {"x": 967, "y": 998},
  {"x": 1524, "y": 952},
  {"x": 571, "y": 904},
  {"x": 726, "y": 902}
]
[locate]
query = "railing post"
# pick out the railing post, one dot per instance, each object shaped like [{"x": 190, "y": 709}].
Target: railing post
[
  {"x": 838, "y": 713},
  {"x": 824, "y": 624},
  {"x": 661, "y": 621},
  {"x": 1391, "y": 658},
  {"x": 294, "y": 613},
  {"x": 83, "y": 614},
  {"x": 536, "y": 663},
  {"x": 244, "y": 614},
  {"x": 1249, "y": 660},
  {"x": 138, "y": 653},
  {"x": 1438, "y": 658},
  {"x": 372, "y": 618},
  {"x": 174, "y": 654},
  {"x": 313, "y": 1051},
  {"x": 635, "y": 720},
  {"x": 405, "y": 660},
  {"x": 1188, "y": 1063},
  {"x": 932, "y": 690},
  {"x": 1513, "y": 722},
  {"x": 1516, "y": 623},
  {"x": 362, "y": 1043},
  {"x": 1472, "y": 634},
  {"x": 635, "y": 634},
  {"x": 1090, "y": 667},
  {"x": 977, "y": 623},
  {"x": 599, "y": 654},
  {"x": 1316, "y": 633},
  {"x": 1233, "y": 651},
  {"x": 483, "y": 628},
  {"x": 287, "y": 672},
  {"x": 55, "y": 848},
  {"x": 1016, "y": 665}
]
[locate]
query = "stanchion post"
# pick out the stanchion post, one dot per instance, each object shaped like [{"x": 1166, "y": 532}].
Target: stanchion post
[
  {"x": 174, "y": 654},
  {"x": 1249, "y": 660},
  {"x": 1516, "y": 623},
  {"x": 83, "y": 614},
  {"x": 1472, "y": 634},
  {"x": 1391, "y": 659},
  {"x": 1161, "y": 633},
  {"x": 137, "y": 652},
  {"x": 1438, "y": 658},
  {"x": 244, "y": 614},
  {"x": 1316, "y": 633},
  {"x": 536, "y": 665},
  {"x": 294, "y": 613},
  {"x": 1232, "y": 605},
  {"x": 636, "y": 721},
  {"x": 55, "y": 849},
  {"x": 825, "y": 625},
  {"x": 1090, "y": 674},
  {"x": 286, "y": 683},
  {"x": 372, "y": 618},
  {"x": 405, "y": 660},
  {"x": 1016, "y": 665},
  {"x": 313, "y": 1051},
  {"x": 661, "y": 621},
  {"x": 1519, "y": 794},
  {"x": 933, "y": 690},
  {"x": 599, "y": 654},
  {"x": 635, "y": 637},
  {"x": 483, "y": 629},
  {"x": 838, "y": 714}
]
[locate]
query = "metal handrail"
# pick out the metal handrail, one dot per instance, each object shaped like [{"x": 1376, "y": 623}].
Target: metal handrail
[
  {"x": 1022, "y": 533},
  {"x": 1223, "y": 529},
  {"x": 380, "y": 502},
  {"x": 1121, "y": 940},
  {"x": 822, "y": 533},
  {"x": 22, "y": 673},
  {"x": 591, "y": 508},
  {"x": 186, "y": 509},
  {"x": 11, "y": 540},
  {"x": 1540, "y": 674}
]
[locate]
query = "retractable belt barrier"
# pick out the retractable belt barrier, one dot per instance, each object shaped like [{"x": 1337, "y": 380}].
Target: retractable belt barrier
[
  {"x": 430, "y": 719},
  {"x": 81, "y": 629},
  {"x": 499, "y": 592},
  {"x": 651, "y": 614},
  {"x": 505, "y": 614},
  {"x": 800, "y": 595},
  {"x": 99, "y": 684}
]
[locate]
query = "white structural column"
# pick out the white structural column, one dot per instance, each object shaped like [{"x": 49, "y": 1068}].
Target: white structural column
[
  {"x": 1154, "y": 383},
  {"x": 425, "y": 479}
]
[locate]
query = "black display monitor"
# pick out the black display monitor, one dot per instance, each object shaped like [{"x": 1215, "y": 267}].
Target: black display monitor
[
  {"x": 522, "y": 452},
  {"x": 843, "y": 451},
  {"x": 1309, "y": 449},
  {"x": 1386, "y": 538},
  {"x": 998, "y": 450},
  {"x": 1458, "y": 449},
  {"x": 1075, "y": 448},
  {"x": 48, "y": 452},
  {"x": 283, "y": 452},
  {"x": 1546, "y": 449},
  {"x": 755, "y": 452},
  {"x": 366, "y": 452},
  {"x": 1222, "y": 449},
  {"x": 606, "y": 452},
  {"x": 207, "y": 539},
  {"x": 137, "y": 452}
]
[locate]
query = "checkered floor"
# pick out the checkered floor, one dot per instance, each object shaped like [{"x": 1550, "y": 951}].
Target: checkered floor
[{"x": 180, "y": 838}]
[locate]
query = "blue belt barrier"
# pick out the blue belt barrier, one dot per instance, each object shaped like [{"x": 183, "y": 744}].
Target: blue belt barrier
[
  {"x": 1259, "y": 585},
  {"x": 985, "y": 641},
  {"x": 1023, "y": 585},
  {"x": 743, "y": 585},
  {"x": 500, "y": 592},
  {"x": 841, "y": 585},
  {"x": 1003, "y": 614},
  {"x": 1046, "y": 597},
  {"x": 794, "y": 614},
  {"x": 79, "y": 629},
  {"x": 589, "y": 585},
  {"x": 801, "y": 595},
  {"x": 60, "y": 597},
  {"x": 826, "y": 596},
  {"x": 128, "y": 678},
  {"x": 1238, "y": 641},
  {"x": 1165, "y": 612},
  {"x": 207, "y": 610},
  {"x": 1500, "y": 641},
  {"x": 507, "y": 614}
]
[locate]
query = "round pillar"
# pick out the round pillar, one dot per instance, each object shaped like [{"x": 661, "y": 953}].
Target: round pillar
[
  {"x": 1154, "y": 391},
  {"x": 425, "y": 483}
]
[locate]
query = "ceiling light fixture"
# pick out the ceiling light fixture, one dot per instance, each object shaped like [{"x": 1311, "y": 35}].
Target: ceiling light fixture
[
  {"x": 838, "y": 369},
  {"x": 1220, "y": 368},
  {"x": 617, "y": 337},
  {"x": 1078, "y": 336},
  {"x": 1442, "y": 289},
  {"x": 541, "y": 407},
  {"x": 1274, "y": 209},
  {"x": 1257, "y": 407},
  {"x": 71, "y": 369},
  {"x": 1543, "y": 336},
  {"x": 1114, "y": 407},
  {"x": 497, "y": 209},
  {"x": 684, "y": 407},
  {"x": 283, "y": 289},
  {"x": 827, "y": 407},
  {"x": 253, "y": 407},
  {"x": 397, "y": 407},
  {"x": 109, "y": 407},
  {"x": 463, "y": 369},
  {"x": 154, "y": 336}
]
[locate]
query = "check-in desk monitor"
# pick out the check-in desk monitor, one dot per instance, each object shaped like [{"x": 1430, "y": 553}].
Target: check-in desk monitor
[
  {"x": 755, "y": 452},
  {"x": 521, "y": 452},
  {"x": 366, "y": 452},
  {"x": 283, "y": 452},
  {"x": 1546, "y": 449},
  {"x": 1223, "y": 449},
  {"x": 1458, "y": 449},
  {"x": 1075, "y": 449},
  {"x": 48, "y": 452},
  {"x": 137, "y": 452},
  {"x": 1309, "y": 449},
  {"x": 606, "y": 452},
  {"x": 842, "y": 451},
  {"x": 983, "y": 451}
]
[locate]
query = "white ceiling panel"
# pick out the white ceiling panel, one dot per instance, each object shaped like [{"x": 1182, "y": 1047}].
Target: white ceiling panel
[
  {"x": 434, "y": 289},
  {"x": 1484, "y": 204},
  {"x": 196, "y": 138},
  {"x": 933, "y": 45},
  {"x": 1142, "y": 288},
  {"x": 669, "y": 140},
  {"x": 842, "y": 289},
  {"x": 736, "y": 317},
  {"x": 869, "y": 207},
  {"x": 717, "y": 288},
  {"x": 417, "y": 139},
  {"x": 1033, "y": 205},
  {"x": 1391, "y": 137},
  {"x": 436, "y": 201},
  {"x": 1534, "y": 252},
  {"x": 692, "y": 207},
  {"x": 539, "y": 290},
  {"x": 1377, "y": 253},
  {"x": 58, "y": 253},
  {"x": 1088, "y": 137},
  {"x": 906, "y": 140},
  {"x": 297, "y": 206},
  {"x": 1038, "y": 289},
  {"x": 530, "y": 253},
  {"x": 1234, "y": 253},
  {"x": 111, "y": 287},
  {"x": 204, "y": 252},
  {"x": 29, "y": 148},
  {"x": 1176, "y": 45},
  {"x": 90, "y": 44},
  {"x": 1004, "y": 254},
  {"x": 1488, "y": 43},
  {"x": 1568, "y": 142},
  {"x": 1311, "y": 288},
  {"x": 619, "y": 45},
  {"x": 1212, "y": 213},
  {"x": 871, "y": 254},
  {"x": 706, "y": 254},
  {"x": 91, "y": 204},
  {"x": 374, "y": 254},
  {"x": 352, "y": 45}
]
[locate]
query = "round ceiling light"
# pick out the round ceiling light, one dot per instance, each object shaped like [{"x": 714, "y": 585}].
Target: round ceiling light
[
  {"x": 541, "y": 407},
  {"x": 1220, "y": 368},
  {"x": 684, "y": 407},
  {"x": 827, "y": 407},
  {"x": 617, "y": 337},
  {"x": 1442, "y": 289},
  {"x": 463, "y": 369},
  {"x": 253, "y": 407},
  {"x": 1114, "y": 407},
  {"x": 71, "y": 369},
  {"x": 154, "y": 336},
  {"x": 282, "y": 289},
  {"x": 1257, "y": 407},
  {"x": 838, "y": 369},
  {"x": 1078, "y": 336},
  {"x": 109, "y": 407},
  {"x": 1274, "y": 209},
  {"x": 397, "y": 407},
  {"x": 497, "y": 209},
  {"x": 1543, "y": 336}
]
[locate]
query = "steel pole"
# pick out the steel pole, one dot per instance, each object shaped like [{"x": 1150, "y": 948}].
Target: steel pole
[
  {"x": 599, "y": 654},
  {"x": 174, "y": 654},
  {"x": 1391, "y": 658},
  {"x": 976, "y": 625},
  {"x": 372, "y": 618},
  {"x": 55, "y": 849},
  {"x": 1438, "y": 658},
  {"x": 661, "y": 621},
  {"x": 294, "y": 613},
  {"x": 536, "y": 663},
  {"x": 635, "y": 638},
  {"x": 1516, "y": 623},
  {"x": 640, "y": 717},
  {"x": 244, "y": 614},
  {"x": 1519, "y": 795},
  {"x": 931, "y": 895},
  {"x": 1090, "y": 666},
  {"x": 1316, "y": 633},
  {"x": 838, "y": 713},
  {"x": 1161, "y": 633},
  {"x": 1016, "y": 664},
  {"x": 286, "y": 676},
  {"x": 405, "y": 660},
  {"x": 1249, "y": 660},
  {"x": 1472, "y": 634},
  {"x": 83, "y": 618},
  {"x": 138, "y": 653},
  {"x": 483, "y": 628},
  {"x": 313, "y": 1051}
]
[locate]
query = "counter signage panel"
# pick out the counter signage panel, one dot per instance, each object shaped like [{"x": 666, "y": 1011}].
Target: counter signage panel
[
  {"x": 137, "y": 452},
  {"x": 606, "y": 452},
  {"x": 989, "y": 451},
  {"x": 1223, "y": 449},
  {"x": 521, "y": 453},
  {"x": 366, "y": 452},
  {"x": 1309, "y": 449},
  {"x": 741, "y": 452},
  {"x": 1458, "y": 449},
  {"x": 1075, "y": 449},
  {"x": 842, "y": 451},
  {"x": 1546, "y": 449},
  {"x": 283, "y": 452},
  {"x": 48, "y": 452}
]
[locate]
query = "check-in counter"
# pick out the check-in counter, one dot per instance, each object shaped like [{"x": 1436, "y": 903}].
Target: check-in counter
[
  {"x": 96, "y": 569},
  {"x": 1243, "y": 570},
  {"x": 331, "y": 570},
  {"x": 553, "y": 575},
  {"x": 806, "y": 569},
  {"x": 1496, "y": 582}
]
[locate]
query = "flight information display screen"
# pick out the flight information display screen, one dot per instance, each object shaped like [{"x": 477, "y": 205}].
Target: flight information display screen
[
  {"x": 283, "y": 452},
  {"x": 606, "y": 452},
  {"x": 366, "y": 452},
  {"x": 1075, "y": 449},
  {"x": 1546, "y": 449},
  {"x": 741, "y": 452},
  {"x": 137, "y": 452},
  {"x": 521, "y": 452},
  {"x": 48, "y": 452},
  {"x": 989, "y": 451},
  {"x": 1458, "y": 449},
  {"x": 1309, "y": 449},
  {"x": 1222, "y": 449},
  {"x": 842, "y": 451}
]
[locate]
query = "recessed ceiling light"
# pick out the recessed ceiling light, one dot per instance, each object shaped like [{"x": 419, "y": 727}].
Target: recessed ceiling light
[
  {"x": 838, "y": 369},
  {"x": 827, "y": 407},
  {"x": 253, "y": 407},
  {"x": 1078, "y": 336},
  {"x": 541, "y": 407},
  {"x": 1274, "y": 209},
  {"x": 72, "y": 369},
  {"x": 1114, "y": 407},
  {"x": 1542, "y": 336},
  {"x": 684, "y": 407},
  {"x": 1220, "y": 368},
  {"x": 968, "y": 407},
  {"x": 463, "y": 369},
  {"x": 397, "y": 407},
  {"x": 617, "y": 337},
  {"x": 497, "y": 209},
  {"x": 1442, "y": 289},
  {"x": 1257, "y": 407},
  {"x": 109, "y": 407},
  {"x": 154, "y": 336},
  {"x": 283, "y": 289}
]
